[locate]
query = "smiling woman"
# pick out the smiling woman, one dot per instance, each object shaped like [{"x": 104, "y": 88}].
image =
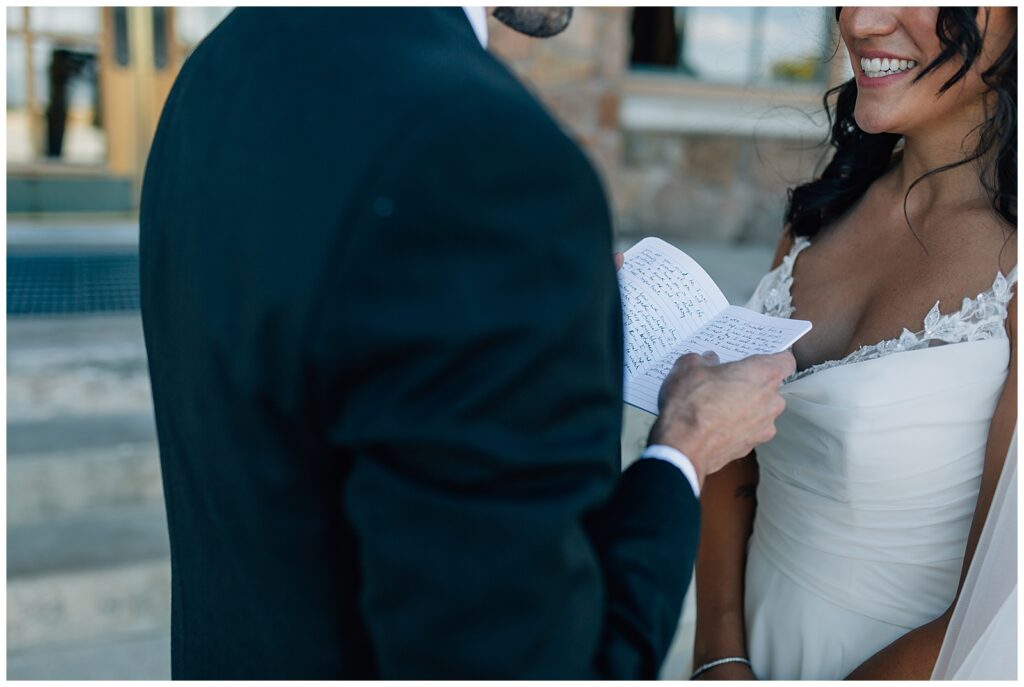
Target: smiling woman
[
  {"x": 868, "y": 122},
  {"x": 871, "y": 498}
]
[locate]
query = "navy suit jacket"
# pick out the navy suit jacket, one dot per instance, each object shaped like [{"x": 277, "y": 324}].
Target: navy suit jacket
[{"x": 385, "y": 345}]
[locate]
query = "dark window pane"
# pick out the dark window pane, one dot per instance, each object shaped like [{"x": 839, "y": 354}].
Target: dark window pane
[
  {"x": 655, "y": 37},
  {"x": 121, "y": 54},
  {"x": 159, "y": 37},
  {"x": 736, "y": 45}
]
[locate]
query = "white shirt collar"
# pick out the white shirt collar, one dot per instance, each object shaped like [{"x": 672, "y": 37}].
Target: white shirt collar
[{"x": 478, "y": 20}]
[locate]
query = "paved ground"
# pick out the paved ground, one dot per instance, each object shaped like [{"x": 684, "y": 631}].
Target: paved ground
[
  {"x": 94, "y": 232},
  {"x": 88, "y": 569},
  {"x": 87, "y": 557}
]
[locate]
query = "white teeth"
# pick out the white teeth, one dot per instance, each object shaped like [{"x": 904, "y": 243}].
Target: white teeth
[{"x": 877, "y": 67}]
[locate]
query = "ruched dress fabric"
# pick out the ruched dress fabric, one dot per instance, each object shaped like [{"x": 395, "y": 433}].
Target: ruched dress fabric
[{"x": 867, "y": 491}]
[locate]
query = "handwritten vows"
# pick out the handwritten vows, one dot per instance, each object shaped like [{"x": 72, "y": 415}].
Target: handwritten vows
[{"x": 670, "y": 307}]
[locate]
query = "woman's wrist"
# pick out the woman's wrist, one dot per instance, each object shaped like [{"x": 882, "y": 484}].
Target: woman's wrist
[
  {"x": 727, "y": 671},
  {"x": 722, "y": 634},
  {"x": 717, "y": 663},
  {"x": 719, "y": 651}
]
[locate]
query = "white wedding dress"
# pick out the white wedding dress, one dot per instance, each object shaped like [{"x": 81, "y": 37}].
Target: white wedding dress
[{"x": 868, "y": 489}]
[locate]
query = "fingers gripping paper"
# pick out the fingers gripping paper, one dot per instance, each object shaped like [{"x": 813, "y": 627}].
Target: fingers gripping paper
[{"x": 670, "y": 307}]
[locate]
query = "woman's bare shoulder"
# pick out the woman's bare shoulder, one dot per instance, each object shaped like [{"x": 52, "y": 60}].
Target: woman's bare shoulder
[
  {"x": 979, "y": 238},
  {"x": 970, "y": 248}
]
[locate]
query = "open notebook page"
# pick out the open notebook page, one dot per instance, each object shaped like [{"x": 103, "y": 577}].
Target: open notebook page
[
  {"x": 666, "y": 298},
  {"x": 734, "y": 334},
  {"x": 737, "y": 333},
  {"x": 672, "y": 307}
]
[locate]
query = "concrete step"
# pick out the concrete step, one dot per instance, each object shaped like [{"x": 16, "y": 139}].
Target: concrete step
[
  {"x": 40, "y": 391},
  {"x": 51, "y": 486},
  {"x": 67, "y": 433},
  {"x": 66, "y": 366},
  {"x": 80, "y": 233},
  {"x": 63, "y": 466},
  {"x": 73, "y": 340},
  {"x": 88, "y": 587},
  {"x": 147, "y": 657},
  {"x": 100, "y": 576},
  {"x": 93, "y": 540}
]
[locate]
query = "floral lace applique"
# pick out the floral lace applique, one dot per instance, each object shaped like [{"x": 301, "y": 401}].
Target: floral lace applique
[
  {"x": 978, "y": 319},
  {"x": 773, "y": 295}
]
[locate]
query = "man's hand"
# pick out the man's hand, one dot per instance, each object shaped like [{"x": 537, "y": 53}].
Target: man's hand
[
  {"x": 715, "y": 413},
  {"x": 618, "y": 258}
]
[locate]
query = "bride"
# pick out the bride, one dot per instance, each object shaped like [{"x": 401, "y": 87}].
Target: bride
[{"x": 871, "y": 497}]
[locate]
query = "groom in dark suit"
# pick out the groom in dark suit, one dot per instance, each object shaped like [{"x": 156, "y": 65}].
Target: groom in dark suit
[{"x": 386, "y": 355}]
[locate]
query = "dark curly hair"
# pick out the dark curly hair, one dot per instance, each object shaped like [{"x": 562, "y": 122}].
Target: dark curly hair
[{"x": 860, "y": 158}]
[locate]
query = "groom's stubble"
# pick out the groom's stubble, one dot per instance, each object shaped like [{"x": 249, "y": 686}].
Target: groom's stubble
[{"x": 539, "y": 22}]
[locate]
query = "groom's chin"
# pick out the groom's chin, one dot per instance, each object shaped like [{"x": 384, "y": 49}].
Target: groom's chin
[{"x": 539, "y": 22}]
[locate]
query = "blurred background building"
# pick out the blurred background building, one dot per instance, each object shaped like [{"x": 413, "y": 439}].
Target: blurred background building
[
  {"x": 699, "y": 119},
  {"x": 84, "y": 90}
]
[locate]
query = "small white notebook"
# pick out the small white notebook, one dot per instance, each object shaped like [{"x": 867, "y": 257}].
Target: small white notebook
[{"x": 670, "y": 307}]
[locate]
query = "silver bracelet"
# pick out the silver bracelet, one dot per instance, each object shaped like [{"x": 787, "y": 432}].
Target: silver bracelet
[{"x": 722, "y": 661}]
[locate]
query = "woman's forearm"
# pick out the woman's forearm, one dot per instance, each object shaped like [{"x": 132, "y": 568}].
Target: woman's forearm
[{"x": 727, "y": 504}]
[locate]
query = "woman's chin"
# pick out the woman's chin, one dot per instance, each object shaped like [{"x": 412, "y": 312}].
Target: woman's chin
[{"x": 872, "y": 124}]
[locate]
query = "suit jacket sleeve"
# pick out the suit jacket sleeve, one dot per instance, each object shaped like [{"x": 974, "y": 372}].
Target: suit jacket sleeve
[{"x": 471, "y": 376}]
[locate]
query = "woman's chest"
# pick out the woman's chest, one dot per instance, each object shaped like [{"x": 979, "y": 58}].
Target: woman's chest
[
  {"x": 855, "y": 300},
  {"x": 868, "y": 279}
]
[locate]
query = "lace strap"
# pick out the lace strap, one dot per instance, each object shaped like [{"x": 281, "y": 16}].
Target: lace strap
[
  {"x": 978, "y": 319},
  {"x": 801, "y": 243}
]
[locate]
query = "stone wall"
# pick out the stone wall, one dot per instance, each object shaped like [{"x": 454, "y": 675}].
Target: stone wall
[
  {"x": 578, "y": 75},
  {"x": 700, "y": 186},
  {"x": 683, "y": 185}
]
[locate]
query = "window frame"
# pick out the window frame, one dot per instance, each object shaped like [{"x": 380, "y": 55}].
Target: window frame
[{"x": 664, "y": 100}]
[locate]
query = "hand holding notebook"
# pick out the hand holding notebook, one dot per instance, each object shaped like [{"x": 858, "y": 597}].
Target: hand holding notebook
[{"x": 672, "y": 307}]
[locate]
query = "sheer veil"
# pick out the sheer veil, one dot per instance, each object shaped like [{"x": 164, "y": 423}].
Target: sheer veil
[{"x": 981, "y": 642}]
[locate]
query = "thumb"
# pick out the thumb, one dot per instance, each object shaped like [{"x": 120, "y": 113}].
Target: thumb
[{"x": 785, "y": 363}]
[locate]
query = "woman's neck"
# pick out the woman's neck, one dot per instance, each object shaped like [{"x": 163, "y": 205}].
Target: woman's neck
[{"x": 939, "y": 145}]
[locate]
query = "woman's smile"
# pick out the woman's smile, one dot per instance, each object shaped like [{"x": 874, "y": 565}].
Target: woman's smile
[{"x": 880, "y": 69}]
